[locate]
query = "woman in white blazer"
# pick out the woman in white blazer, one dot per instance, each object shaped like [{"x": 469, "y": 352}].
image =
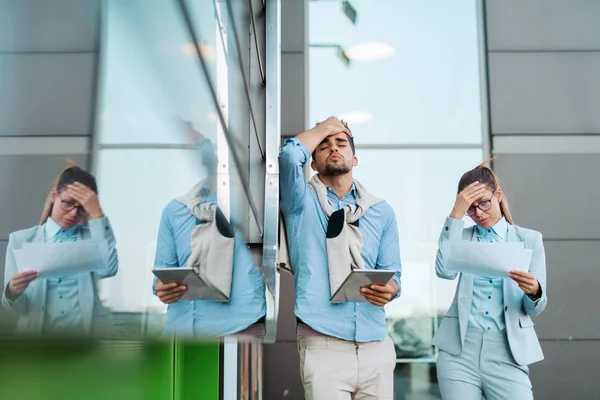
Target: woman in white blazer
[
  {"x": 65, "y": 304},
  {"x": 487, "y": 340}
]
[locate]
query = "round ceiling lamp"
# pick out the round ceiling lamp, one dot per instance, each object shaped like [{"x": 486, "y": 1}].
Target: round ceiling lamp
[
  {"x": 355, "y": 117},
  {"x": 369, "y": 51},
  {"x": 207, "y": 50}
]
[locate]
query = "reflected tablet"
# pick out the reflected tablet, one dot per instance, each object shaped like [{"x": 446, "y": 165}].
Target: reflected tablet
[
  {"x": 197, "y": 288},
  {"x": 349, "y": 291}
]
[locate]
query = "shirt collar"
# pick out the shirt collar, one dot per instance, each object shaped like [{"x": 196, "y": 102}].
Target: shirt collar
[
  {"x": 500, "y": 229},
  {"x": 52, "y": 229},
  {"x": 353, "y": 192}
]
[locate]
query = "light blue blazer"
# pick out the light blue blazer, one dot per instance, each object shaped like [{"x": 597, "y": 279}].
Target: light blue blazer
[
  {"x": 30, "y": 307},
  {"x": 518, "y": 307}
]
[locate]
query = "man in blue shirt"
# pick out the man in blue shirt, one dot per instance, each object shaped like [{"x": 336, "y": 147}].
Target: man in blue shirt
[
  {"x": 244, "y": 313},
  {"x": 345, "y": 350}
]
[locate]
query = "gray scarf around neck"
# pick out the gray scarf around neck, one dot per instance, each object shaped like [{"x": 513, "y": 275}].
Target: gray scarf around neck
[
  {"x": 212, "y": 242},
  {"x": 344, "y": 240}
]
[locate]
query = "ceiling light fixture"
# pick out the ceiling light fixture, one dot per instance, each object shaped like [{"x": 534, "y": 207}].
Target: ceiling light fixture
[
  {"x": 207, "y": 50},
  {"x": 369, "y": 51},
  {"x": 355, "y": 117}
]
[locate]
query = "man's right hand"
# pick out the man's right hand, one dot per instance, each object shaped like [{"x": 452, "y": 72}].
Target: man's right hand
[
  {"x": 332, "y": 126},
  {"x": 313, "y": 137},
  {"x": 169, "y": 292},
  {"x": 19, "y": 282}
]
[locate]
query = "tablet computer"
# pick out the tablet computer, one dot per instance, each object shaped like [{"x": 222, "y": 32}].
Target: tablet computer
[
  {"x": 198, "y": 289},
  {"x": 349, "y": 291}
]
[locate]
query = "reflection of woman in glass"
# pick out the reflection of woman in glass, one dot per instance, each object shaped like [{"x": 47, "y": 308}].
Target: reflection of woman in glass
[
  {"x": 179, "y": 245},
  {"x": 67, "y": 303},
  {"x": 487, "y": 339}
]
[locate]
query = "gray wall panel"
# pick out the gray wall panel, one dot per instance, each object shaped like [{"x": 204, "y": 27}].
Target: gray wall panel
[
  {"x": 543, "y": 24},
  {"x": 282, "y": 372},
  {"x": 286, "y": 323},
  {"x": 293, "y": 92},
  {"x": 25, "y": 182},
  {"x": 553, "y": 193},
  {"x": 573, "y": 279},
  {"x": 292, "y": 19},
  {"x": 549, "y": 93},
  {"x": 46, "y": 94},
  {"x": 49, "y": 25},
  {"x": 570, "y": 371}
]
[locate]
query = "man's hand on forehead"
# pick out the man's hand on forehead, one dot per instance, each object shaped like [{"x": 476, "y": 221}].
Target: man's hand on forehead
[{"x": 333, "y": 126}]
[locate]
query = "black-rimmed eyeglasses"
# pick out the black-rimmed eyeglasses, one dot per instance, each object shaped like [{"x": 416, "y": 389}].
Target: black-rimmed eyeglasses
[
  {"x": 68, "y": 206},
  {"x": 484, "y": 205}
]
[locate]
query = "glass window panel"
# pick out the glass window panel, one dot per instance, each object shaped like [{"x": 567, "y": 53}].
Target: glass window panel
[
  {"x": 151, "y": 76},
  {"x": 421, "y": 187},
  {"x": 428, "y": 91},
  {"x": 135, "y": 186}
]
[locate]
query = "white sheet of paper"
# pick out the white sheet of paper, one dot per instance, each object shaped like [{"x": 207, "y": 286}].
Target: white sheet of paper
[
  {"x": 491, "y": 260},
  {"x": 62, "y": 259}
]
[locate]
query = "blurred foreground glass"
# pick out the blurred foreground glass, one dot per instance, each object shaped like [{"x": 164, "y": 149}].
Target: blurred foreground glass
[
  {"x": 174, "y": 141},
  {"x": 167, "y": 124}
]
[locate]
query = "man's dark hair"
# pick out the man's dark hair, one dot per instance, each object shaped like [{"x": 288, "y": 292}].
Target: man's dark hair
[{"x": 350, "y": 140}]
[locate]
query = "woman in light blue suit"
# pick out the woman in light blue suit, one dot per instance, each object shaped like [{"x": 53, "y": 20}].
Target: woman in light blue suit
[
  {"x": 66, "y": 304},
  {"x": 486, "y": 340}
]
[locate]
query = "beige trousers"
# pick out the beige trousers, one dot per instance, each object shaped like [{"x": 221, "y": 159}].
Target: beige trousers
[{"x": 335, "y": 369}]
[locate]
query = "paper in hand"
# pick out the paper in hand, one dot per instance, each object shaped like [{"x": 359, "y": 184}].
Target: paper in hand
[
  {"x": 490, "y": 260},
  {"x": 62, "y": 259}
]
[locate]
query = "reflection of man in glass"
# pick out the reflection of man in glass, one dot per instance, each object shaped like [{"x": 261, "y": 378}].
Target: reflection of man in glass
[
  {"x": 244, "y": 312},
  {"x": 345, "y": 350}
]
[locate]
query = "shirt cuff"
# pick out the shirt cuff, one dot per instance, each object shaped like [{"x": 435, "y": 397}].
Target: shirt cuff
[
  {"x": 99, "y": 227},
  {"x": 536, "y": 298},
  {"x": 453, "y": 228},
  {"x": 11, "y": 299},
  {"x": 396, "y": 278},
  {"x": 153, "y": 285},
  {"x": 295, "y": 144}
]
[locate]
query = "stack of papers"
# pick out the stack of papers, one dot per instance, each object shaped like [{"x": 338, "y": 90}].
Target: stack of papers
[
  {"x": 492, "y": 260},
  {"x": 62, "y": 259}
]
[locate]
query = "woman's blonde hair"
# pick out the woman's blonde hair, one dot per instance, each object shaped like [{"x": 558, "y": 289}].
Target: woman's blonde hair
[
  {"x": 66, "y": 177},
  {"x": 484, "y": 174}
]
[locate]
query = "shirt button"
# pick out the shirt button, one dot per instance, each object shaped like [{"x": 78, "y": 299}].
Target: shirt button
[
  {"x": 489, "y": 328},
  {"x": 489, "y": 297},
  {"x": 62, "y": 312},
  {"x": 60, "y": 297},
  {"x": 505, "y": 308},
  {"x": 447, "y": 228},
  {"x": 489, "y": 230},
  {"x": 60, "y": 280},
  {"x": 490, "y": 281},
  {"x": 487, "y": 312}
]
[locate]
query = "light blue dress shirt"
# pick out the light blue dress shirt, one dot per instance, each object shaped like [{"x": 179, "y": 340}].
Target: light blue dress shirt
[
  {"x": 204, "y": 318},
  {"x": 306, "y": 226},
  {"x": 62, "y": 294},
  {"x": 487, "y": 308}
]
